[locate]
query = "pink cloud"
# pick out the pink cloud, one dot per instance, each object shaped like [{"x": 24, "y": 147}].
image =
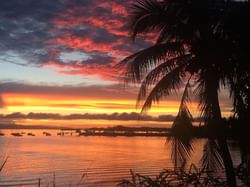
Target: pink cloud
[
  {"x": 98, "y": 33},
  {"x": 116, "y": 8}
]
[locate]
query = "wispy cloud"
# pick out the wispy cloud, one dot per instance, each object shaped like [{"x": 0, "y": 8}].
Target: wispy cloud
[
  {"x": 2, "y": 103},
  {"x": 113, "y": 91}
]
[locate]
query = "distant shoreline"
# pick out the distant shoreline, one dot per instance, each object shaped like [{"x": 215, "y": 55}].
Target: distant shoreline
[
  {"x": 197, "y": 132},
  {"x": 34, "y": 127}
]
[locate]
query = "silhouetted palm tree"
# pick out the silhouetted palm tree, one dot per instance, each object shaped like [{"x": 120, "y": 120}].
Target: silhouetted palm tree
[{"x": 194, "y": 40}]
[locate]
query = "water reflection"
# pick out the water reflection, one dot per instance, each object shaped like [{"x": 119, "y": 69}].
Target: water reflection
[{"x": 102, "y": 160}]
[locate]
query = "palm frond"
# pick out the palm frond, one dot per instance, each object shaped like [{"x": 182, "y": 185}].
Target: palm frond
[
  {"x": 185, "y": 98},
  {"x": 238, "y": 101},
  {"x": 145, "y": 16},
  {"x": 145, "y": 60},
  {"x": 182, "y": 125},
  {"x": 160, "y": 71},
  {"x": 211, "y": 159},
  {"x": 169, "y": 83},
  {"x": 207, "y": 92},
  {"x": 240, "y": 93},
  {"x": 169, "y": 18},
  {"x": 164, "y": 35},
  {"x": 3, "y": 164},
  {"x": 181, "y": 150}
]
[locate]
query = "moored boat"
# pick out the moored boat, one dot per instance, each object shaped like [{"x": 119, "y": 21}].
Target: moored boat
[
  {"x": 16, "y": 134},
  {"x": 30, "y": 134},
  {"x": 46, "y": 134}
]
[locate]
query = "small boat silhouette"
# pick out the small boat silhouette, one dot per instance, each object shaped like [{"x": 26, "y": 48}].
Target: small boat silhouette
[
  {"x": 30, "y": 134},
  {"x": 60, "y": 134},
  {"x": 46, "y": 134},
  {"x": 16, "y": 134},
  {"x": 2, "y": 134}
]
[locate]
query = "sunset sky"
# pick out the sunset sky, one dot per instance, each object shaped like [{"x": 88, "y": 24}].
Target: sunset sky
[{"x": 58, "y": 57}]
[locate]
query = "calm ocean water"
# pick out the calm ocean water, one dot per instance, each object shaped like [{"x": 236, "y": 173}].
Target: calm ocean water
[{"x": 99, "y": 161}]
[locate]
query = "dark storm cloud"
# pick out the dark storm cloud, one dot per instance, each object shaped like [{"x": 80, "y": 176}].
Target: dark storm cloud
[
  {"x": 39, "y": 10},
  {"x": 24, "y": 28},
  {"x": 37, "y": 32},
  {"x": 97, "y": 36},
  {"x": 42, "y": 10}
]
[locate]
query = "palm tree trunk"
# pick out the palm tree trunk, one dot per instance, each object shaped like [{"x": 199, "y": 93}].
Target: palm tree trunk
[{"x": 227, "y": 160}]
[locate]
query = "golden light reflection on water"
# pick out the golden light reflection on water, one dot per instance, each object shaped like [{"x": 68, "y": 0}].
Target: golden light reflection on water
[{"x": 106, "y": 160}]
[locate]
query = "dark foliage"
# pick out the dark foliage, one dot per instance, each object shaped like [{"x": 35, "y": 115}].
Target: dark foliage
[{"x": 171, "y": 178}]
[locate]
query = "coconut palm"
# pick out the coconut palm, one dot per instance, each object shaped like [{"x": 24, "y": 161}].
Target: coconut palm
[{"x": 193, "y": 42}]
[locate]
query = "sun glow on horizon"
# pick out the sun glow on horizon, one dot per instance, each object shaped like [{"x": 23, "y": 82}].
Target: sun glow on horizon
[{"x": 67, "y": 105}]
